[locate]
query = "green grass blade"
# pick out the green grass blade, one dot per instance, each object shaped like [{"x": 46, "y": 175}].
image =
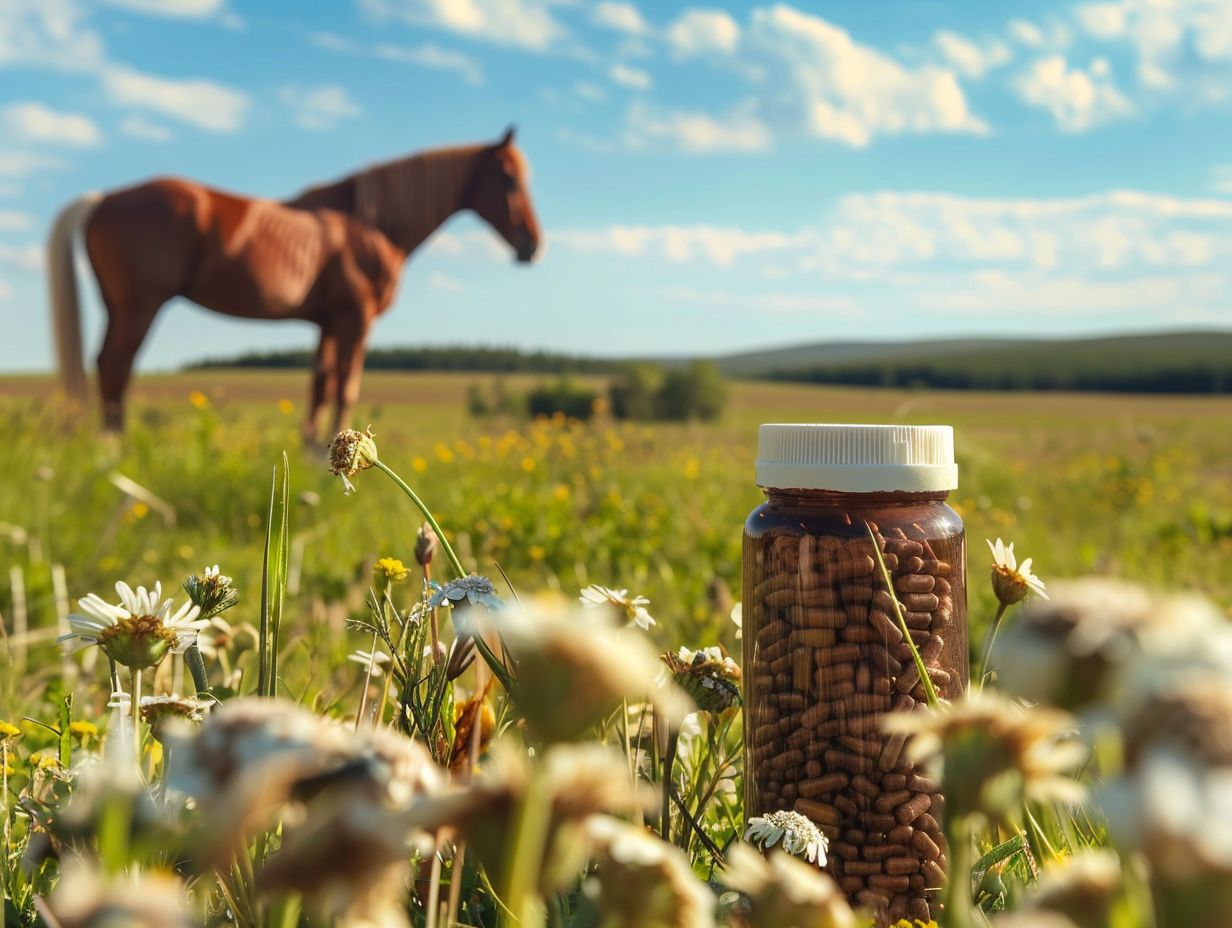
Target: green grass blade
[
  {"x": 930, "y": 692},
  {"x": 274, "y": 578}
]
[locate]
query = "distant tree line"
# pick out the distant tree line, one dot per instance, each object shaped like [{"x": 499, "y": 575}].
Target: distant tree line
[
  {"x": 965, "y": 374},
  {"x": 449, "y": 358}
]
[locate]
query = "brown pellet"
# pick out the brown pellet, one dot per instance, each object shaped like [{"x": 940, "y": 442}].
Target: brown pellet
[
  {"x": 813, "y": 788},
  {"x": 888, "y": 802},
  {"x": 934, "y": 876},
  {"x": 819, "y": 812},
  {"x": 913, "y": 808},
  {"x": 887, "y": 883},
  {"x": 925, "y": 845}
]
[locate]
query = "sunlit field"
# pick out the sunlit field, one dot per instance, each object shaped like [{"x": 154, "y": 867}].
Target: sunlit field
[{"x": 1131, "y": 487}]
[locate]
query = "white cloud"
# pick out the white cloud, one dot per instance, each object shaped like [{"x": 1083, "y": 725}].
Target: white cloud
[
  {"x": 696, "y": 133},
  {"x": 432, "y": 56},
  {"x": 179, "y": 9},
  {"x": 1221, "y": 178},
  {"x": 1078, "y": 99},
  {"x": 22, "y": 163},
  {"x": 202, "y": 103},
  {"x": 681, "y": 244},
  {"x": 630, "y": 77},
  {"x": 47, "y": 34},
  {"x": 25, "y": 257},
  {"x": 319, "y": 108},
  {"x": 968, "y": 58},
  {"x": 526, "y": 24},
  {"x": 446, "y": 283},
  {"x": 11, "y": 221},
  {"x": 6, "y": 291},
  {"x": 623, "y": 17},
  {"x": 700, "y": 32},
  {"x": 821, "y": 80},
  {"x": 590, "y": 92},
  {"x": 147, "y": 130},
  {"x": 34, "y": 122},
  {"x": 784, "y": 303}
]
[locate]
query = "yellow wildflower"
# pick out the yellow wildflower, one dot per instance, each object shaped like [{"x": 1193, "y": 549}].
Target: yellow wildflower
[
  {"x": 390, "y": 569},
  {"x": 8, "y": 731},
  {"x": 198, "y": 399},
  {"x": 83, "y": 730}
]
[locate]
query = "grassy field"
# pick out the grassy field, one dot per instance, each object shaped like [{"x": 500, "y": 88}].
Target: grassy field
[{"x": 1139, "y": 487}]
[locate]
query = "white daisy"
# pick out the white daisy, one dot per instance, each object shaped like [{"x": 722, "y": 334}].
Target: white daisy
[
  {"x": 372, "y": 661},
  {"x": 139, "y": 631},
  {"x": 795, "y": 833},
  {"x": 633, "y": 607},
  {"x": 1012, "y": 581}
]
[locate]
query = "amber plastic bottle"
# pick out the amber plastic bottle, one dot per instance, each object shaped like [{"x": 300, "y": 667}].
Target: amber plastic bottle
[{"x": 825, "y": 656}]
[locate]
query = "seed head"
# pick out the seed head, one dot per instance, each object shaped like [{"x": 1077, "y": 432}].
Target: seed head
[
  {"x": 350, "y": 452},
  {"x": 425, "y": 545}
]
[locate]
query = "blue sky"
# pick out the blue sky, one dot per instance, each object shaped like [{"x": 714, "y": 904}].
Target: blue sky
[{"x": 711, "y": 178}]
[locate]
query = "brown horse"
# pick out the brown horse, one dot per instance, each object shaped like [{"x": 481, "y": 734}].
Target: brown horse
[{"x": 331, "y": 255}]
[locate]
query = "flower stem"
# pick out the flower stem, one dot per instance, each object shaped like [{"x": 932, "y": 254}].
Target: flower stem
[
  {"x": 526, "y": 853},
  {"x": 958, "y": 907},
  {"x": 669, "y": 761},
  {"x": 427, "y": 514},
  {"x": 988, "y": 643}
]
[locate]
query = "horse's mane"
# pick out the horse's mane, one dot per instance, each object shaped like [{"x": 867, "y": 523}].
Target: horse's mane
[{"x": 406, "y": 198}]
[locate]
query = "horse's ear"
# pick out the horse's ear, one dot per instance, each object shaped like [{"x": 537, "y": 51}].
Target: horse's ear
[{"x": 507, "y": 138}]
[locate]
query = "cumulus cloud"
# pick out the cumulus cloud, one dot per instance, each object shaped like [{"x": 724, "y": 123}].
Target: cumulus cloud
[
  {"x": 739, "y": 130},
  {"x": 6, "y": 291},
  {"x": 138, "y": 127},
  {"x": 23, "y": 257},
  {"x": 319, "y": 107},
  {"x": 202, "y": 103},
  {"x": 630, "y": 77},
  {"x": 177, "y": 9},
  {"x": 11, "y": 221},
  {"x": 700, "y": 32},
  {"x": 721, "y": 245},
  {"x": 968, "y": 58},
  {"x": 623, "y": 17},
  {"x": 48, "y": 34},
  {"x": 22, "y": 163},
  {"x": 1078, "y": 98},
  {"x": 35, "y": 122},
  {"x": 817, "y": 77},
  {"x": 527, "y": 24}
]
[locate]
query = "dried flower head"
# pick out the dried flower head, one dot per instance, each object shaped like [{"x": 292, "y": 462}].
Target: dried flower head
[
  {"x": 351, "y": 452},
  {"x": 426, "y": 543},
  {"x": 991, "y": 753},
  {"x": 708, "y": 675},
  {"x": 157, "y": 709},
  {"x": 1075, "y": 650},
  {"x": 572, "y": 673},
  {"x": 781, "y": 890},
  {"x": 138, "y": 632},
  {"x": 791, "y": 831},
  {"x": 642, "y": 882},
  {"x": 1012, "y": 582},
  {"x": 85, "y": 898},
  {"x": 211, "y": 592},
  {"x": 632, "y": 608}
]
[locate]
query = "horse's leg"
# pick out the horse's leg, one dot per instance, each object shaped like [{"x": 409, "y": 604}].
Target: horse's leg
[
  {"x": 324, "y": 381},
  {"x": 352, "y": 343},
  {"x": 127, "y": 327}
]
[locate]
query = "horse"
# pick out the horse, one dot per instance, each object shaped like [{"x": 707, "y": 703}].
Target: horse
[{"x": 331, "y": 255}]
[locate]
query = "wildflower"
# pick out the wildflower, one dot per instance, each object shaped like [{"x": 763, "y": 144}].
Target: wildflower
[
  {"x": 8, "y": 732},
  {"x": 1084, "y": 887},
  {"x": 351, "y": 452},
  {"x": 708, "y": 675},
  {"x": 476, "y": 711},
  {"x": 84, "y": 898},
  {"x": 219, "y": 635},
  {"x": 1011, "y": 581},
  {"x": 781, "y": 890},
  {"x": 993, "y": 753},
  {"x": 211, "y": 592},
  {"x": 795, "y": 833},
  {"x": 642, "y": 882},
  {"x": 632, "y": 608},
  {"x": 425, "y": 545},
  {"x": 472, "y": 590},
  {"x": 372, "y": 661},
  {"x": 389, "y": 570},
  {"x": 1085, "y": 647},
  {"x": 737, "y": 617},
  {"x": 572, "y": 674},
  {"x": 83, "y": 731},
  {"x": 137, "y": 633},
  {"x": 156, "y": 709}
]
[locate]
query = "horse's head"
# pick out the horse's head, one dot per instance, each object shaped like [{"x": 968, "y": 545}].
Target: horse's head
[{"x": 499, "y": 193}]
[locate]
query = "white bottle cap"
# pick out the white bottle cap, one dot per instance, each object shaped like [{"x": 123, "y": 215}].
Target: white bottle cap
[{"x": 857, "y": 458}]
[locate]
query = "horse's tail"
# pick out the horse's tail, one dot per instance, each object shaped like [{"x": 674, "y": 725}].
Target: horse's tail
[{"x": 62, "y": 287}]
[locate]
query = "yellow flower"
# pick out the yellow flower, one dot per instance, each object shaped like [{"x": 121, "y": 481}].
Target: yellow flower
[
  {"x": 8, "y": 731},
  {"x": 419, "y": 464},
  {"x": 198, "y": 399},
  {"x": 528, "y": 464},
  {"x": 561, "y": 492},
  {"x": 286, "y": 407},
  {"x": 390, "y": 569},
  {"x": 83, "y": 730}
]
